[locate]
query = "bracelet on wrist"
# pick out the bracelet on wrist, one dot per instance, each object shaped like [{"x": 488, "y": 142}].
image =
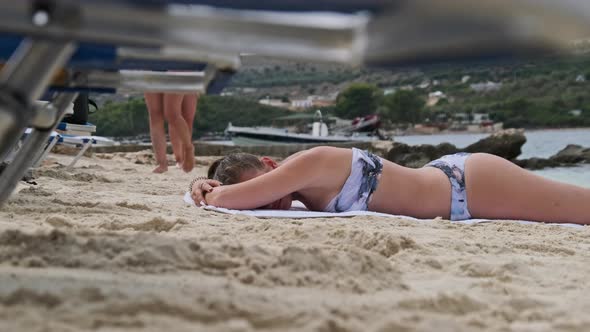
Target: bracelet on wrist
[{"x": 198, "y": 178}]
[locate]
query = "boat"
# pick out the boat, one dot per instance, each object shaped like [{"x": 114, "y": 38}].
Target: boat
[
  {"x": 368, "y": 123},
  {"x": 271, "y": 135}
]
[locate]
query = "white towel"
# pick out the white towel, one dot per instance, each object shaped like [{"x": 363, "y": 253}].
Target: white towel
[{"x": 298, "y": 211}]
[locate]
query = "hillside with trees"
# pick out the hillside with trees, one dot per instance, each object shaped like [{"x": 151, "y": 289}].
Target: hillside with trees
[
  {"x": 534, "y": 93},
  {"x": 552, "y": 91},
  {"x": 125, "y": 119}
]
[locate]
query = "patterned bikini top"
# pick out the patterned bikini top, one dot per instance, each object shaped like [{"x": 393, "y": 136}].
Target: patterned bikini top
[{"x": 360, "y": 185}]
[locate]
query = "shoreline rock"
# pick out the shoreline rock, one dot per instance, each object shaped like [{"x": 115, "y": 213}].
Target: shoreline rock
[
  {"x": 506, "y": 144},
  {"x": 569, "y": 156}
]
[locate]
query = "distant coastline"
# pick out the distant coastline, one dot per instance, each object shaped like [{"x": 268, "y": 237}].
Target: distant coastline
[{"x": 465, "y": 132}]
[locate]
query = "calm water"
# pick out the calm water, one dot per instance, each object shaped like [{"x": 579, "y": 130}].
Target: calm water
[{"x": 541, "y": 143}]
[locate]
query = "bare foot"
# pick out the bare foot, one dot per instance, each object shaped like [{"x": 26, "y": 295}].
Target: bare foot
[
  {"x": 179, "y": 156},
  {"x": 189, "y": 160},
  {"x": 178, "y": 161},
  {"x": 160, "y": 169}
]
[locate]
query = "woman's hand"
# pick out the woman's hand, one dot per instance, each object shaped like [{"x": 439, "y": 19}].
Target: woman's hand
[{"x": 200, "y": 188}]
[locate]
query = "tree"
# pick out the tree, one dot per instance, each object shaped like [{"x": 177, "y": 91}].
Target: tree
[
  {"x": 359, "y": 99},
  {"x": 131, "y": 118},
  {"x": 403, "y": 106},
  {"x": 122, "y": 119}
]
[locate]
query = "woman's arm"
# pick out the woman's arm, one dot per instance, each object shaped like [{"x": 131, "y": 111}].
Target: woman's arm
[
  {"x": 200, "y": 186},
  {"x": 296, "y": 174}
]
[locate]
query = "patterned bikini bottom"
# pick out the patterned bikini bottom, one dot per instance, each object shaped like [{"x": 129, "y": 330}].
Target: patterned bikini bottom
[{"x": 454, "y": 167}]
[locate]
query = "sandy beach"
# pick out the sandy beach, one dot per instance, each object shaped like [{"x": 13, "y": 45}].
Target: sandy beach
[{"x": 110, "y": 246}]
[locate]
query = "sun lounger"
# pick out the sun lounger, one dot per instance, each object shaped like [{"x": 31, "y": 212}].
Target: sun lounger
[
  {"x": 374, "y": 31},
  {"x": 44, "y": 121},
  {"x": 80, "y": 75},
  {"x": 79, "y": 136},
  {"x": 52, "y": 140},
  {"x": 69, "y": 138},
  {"x": 84, "y": 143}
]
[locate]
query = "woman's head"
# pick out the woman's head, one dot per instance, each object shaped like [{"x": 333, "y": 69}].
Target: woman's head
[{"x": 238, "y": 167}]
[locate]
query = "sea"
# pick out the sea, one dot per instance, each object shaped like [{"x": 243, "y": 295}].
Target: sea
[{"x": 540, "y": 143}]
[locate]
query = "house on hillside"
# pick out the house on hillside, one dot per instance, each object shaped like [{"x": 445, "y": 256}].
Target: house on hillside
[
  {"x": 388, "y": 91},
  {"x": 434, "y": 98},
  {"x": 274, "y": 102},
  {"x": 313, "y": 101},
  {"x": 249, "y": 90},
  {"x": 301, "y": 104},
  {"x": 323, "y": 102},
  {"x": 486, "y": 87},
  {"x": 480, "y": 118},
  {"x": 424, "y": 85}
]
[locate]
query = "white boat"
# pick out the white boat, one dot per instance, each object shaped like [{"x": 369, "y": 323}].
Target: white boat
[{"x": 270, "y": 135}]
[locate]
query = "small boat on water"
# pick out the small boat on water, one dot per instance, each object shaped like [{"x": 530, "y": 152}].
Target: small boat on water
[{"x": 270, "y": 135}]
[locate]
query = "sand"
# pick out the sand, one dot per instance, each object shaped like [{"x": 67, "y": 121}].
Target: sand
[{"x": 110, "y": 246}]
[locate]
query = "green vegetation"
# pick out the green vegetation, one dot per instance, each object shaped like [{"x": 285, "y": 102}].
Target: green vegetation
[
  {"x": 403, "y": 107},
  {"x": 536, "y": 93},
  {"x": 300, "y": 74},
  {"x": 358, "y": 99},
  {"x": 121, "y": 119},
  {"x": 214, "y": 113},
  {"x": 361, "y": 99}
]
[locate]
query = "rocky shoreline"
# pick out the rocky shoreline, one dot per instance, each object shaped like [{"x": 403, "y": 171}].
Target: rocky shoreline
[{"x": 506, "y": 144}]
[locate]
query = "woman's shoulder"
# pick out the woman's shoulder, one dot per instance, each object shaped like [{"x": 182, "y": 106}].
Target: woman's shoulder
[
  {"x": 328, "y": 150},
  {"x": 320, "y": 153},
  {"x": 320, "y": 156}
]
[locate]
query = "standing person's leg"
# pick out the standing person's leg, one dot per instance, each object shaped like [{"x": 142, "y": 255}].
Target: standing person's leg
[
  {"x": 177, "y": 126},
  {"x": 498, "y": 189},
  {"x": 155, "y": 106},
  {"x": 176, "y": 146},
  {"x": 189, "y": 109}
]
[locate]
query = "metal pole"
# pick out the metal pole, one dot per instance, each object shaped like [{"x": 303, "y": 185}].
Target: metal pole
[
  {"x": 143, "y": 80},
  {"x": 46, "y": 151},
  {"x": 30, "y": 149},
  {"x": 22, "y": 81},
  {"x": 85, "y": 147}
]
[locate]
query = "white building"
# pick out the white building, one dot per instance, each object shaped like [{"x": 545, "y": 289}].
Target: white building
[
  {"x": 274, "y": 102},
  {"x": 302, "y": 103},
  {"x": 424, "y": 85},
  {"x": 389, "y": 91},
  {"x": 435, "y": 97},
  {"x": 479, "y": 118},
  {"x": 486, "y": 87}
]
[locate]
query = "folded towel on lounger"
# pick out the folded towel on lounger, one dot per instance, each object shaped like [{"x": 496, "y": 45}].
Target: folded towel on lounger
[{"x": 298, "y": 211}]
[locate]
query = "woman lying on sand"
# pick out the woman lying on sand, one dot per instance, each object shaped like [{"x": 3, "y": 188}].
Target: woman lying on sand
[{"x": 459, "y": 186}]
